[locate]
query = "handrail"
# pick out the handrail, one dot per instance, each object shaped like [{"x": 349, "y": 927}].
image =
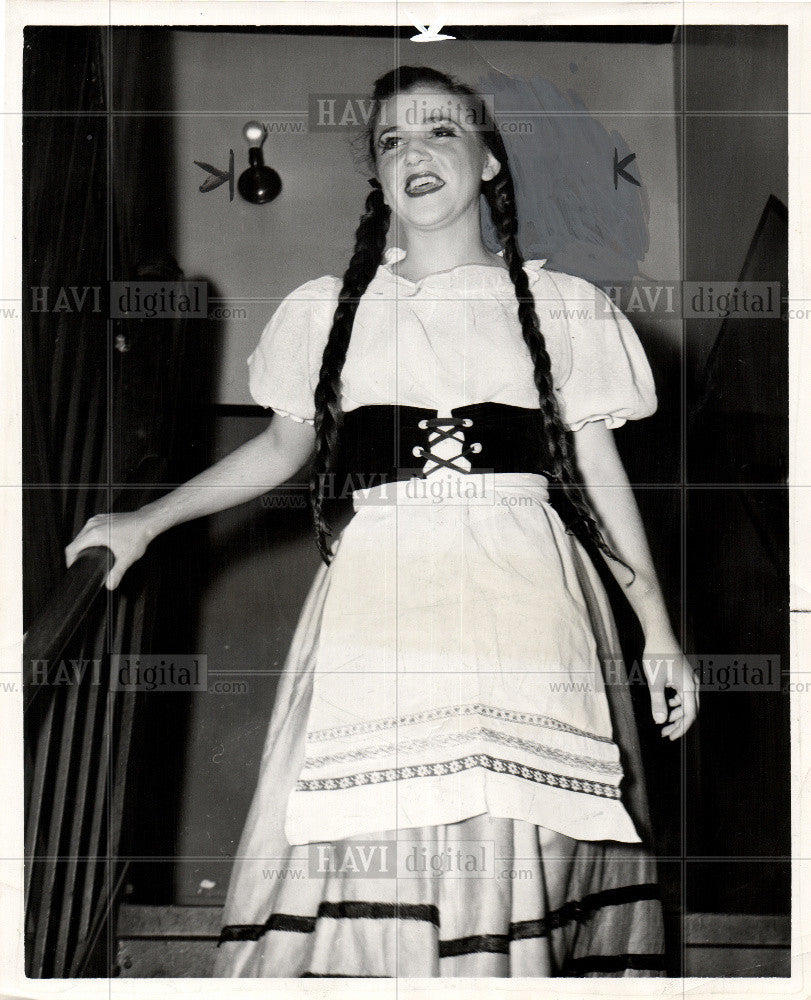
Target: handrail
[
  {"x": 70, "y": 600},
  {"x": 64, "y": 611}
]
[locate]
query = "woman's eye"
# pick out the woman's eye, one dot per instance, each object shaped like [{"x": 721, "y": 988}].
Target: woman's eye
[{"x": 391, "y": 141}]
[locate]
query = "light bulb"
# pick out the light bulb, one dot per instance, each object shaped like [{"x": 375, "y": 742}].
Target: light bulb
[{"x": 255, "y": 133}]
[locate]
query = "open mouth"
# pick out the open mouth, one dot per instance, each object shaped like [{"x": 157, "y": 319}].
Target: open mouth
[{"x": 417, "y": 185}]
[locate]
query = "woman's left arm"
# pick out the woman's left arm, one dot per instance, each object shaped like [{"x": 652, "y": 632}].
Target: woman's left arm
[{"x": 612, "y": 500}]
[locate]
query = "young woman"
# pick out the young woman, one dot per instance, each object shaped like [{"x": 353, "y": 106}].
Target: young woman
[{"x": 448, "y": 787}]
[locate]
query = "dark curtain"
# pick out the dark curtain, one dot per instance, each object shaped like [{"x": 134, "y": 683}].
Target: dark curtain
[
  {"x": 96, "y": 206},
  {"x": 64, "y": 245}
]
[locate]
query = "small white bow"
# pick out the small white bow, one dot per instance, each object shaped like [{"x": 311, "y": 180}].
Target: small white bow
[{"x": 429, "y": 34}]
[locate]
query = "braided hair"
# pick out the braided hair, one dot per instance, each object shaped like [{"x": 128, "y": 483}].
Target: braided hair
[{"x": 370, "y": 241}]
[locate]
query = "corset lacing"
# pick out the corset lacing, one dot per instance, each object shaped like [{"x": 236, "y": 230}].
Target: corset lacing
[{"x": 446, "y": 428}]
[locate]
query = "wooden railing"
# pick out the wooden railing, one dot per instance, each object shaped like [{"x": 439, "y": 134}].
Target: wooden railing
[
  {"x": 77, "y": 772},
  {"x": 57, "y": 623},
  {"x": 68, "y": 823}
]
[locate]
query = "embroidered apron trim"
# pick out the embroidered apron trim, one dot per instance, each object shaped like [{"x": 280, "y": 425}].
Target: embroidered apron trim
[
  {"x": 447, "y": 712},
  {"x": 562, "y": 756},
  {"x": 440, "y": 768}
]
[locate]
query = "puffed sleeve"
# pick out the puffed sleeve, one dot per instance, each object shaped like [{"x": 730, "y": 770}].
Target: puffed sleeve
[
  {"x": 609, "y": 377},
  {"x": 283, "y": 370}
]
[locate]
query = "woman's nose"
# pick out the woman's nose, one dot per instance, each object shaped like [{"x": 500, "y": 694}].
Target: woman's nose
[{"x": 417, "y": 151}]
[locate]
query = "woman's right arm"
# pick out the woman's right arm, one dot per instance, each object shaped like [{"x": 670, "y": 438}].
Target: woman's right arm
[{"x": 259, "y": 465}]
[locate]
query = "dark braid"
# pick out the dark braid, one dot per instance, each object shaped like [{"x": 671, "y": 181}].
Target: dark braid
[
  {"x": 500, "y": 195},
  {"x": 370, "y": 242}
]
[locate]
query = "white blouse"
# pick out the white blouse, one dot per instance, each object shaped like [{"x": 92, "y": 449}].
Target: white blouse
[{"x": 452, "y": 339}]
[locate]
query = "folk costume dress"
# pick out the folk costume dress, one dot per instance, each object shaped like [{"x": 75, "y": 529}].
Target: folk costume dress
[{"x": 448, "y": 786}]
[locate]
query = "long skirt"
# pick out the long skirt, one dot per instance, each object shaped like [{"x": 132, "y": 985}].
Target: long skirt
[{"x": 486, "y": 896}]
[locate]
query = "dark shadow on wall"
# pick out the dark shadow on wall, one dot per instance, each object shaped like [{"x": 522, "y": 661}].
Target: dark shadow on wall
[{"x": 164, "y": 719}]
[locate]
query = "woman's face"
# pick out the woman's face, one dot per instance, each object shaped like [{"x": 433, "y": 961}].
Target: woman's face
[{"x": 430, "y": 157}]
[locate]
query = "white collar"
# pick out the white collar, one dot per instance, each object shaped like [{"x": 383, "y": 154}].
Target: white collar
[{"x": 393, "y": 255}]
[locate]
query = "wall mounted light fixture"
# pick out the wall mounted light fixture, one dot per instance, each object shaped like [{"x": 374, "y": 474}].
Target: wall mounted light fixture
[{"x": 258, "y": 184}]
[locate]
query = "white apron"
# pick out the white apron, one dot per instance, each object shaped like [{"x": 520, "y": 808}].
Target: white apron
[{"x": 456, "y": 670}]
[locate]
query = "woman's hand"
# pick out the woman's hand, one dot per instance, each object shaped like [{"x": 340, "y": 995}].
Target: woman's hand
[
  {"x": 671, "y": 670},
  {"x": 126, "y": 535}
]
